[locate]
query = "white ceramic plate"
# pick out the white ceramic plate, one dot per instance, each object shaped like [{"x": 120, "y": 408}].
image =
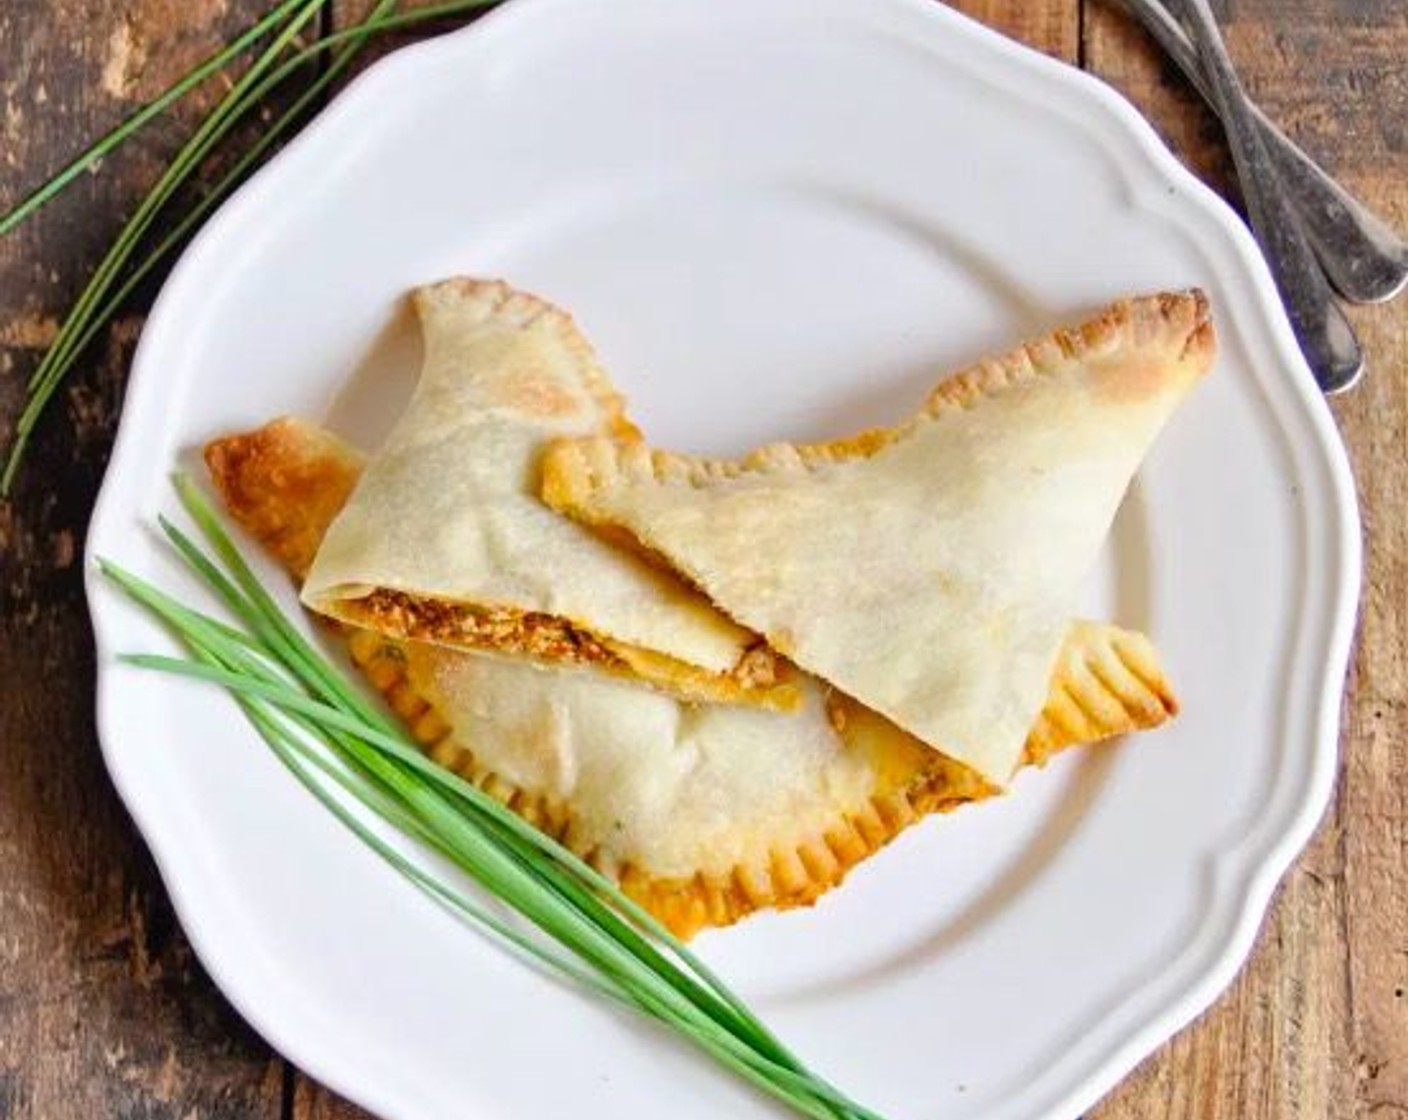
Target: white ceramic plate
[{"x": 777, "y": 218}]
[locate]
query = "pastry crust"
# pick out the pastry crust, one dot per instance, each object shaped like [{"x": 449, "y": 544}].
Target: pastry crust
[
  {"x": 284, "y": 483},
  {"x": 703, "y": 814},
  {"x": 444, "y": 540},
  {"x": 927, "y": 569},
  {"x": 872, "y": 783},
  {"x": 1175, "y": 328}
]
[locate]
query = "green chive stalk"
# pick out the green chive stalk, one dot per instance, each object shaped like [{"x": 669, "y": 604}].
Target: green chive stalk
[
  {"x": 572, "y": 922},
  {"x": 115, "y": 277},
  {"x": 62, "y": 352},
  {"x": 206, "y": 69}
]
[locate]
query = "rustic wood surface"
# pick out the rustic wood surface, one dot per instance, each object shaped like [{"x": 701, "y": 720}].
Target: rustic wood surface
[{"x": 103, "y": 1010}]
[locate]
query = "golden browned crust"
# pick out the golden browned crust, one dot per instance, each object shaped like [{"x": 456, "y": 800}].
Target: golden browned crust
[
  {"x": 1175, "y": 325},
  {"x": 512, "y": 307},
  {"x": 1107, "y": 682},
  {"x": 284, "y": 483}
]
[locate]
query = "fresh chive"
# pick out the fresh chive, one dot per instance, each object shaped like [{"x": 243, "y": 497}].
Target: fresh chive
[
  {"x": 114, "y": 139},
  {"x": 215, "y": 194},
  {"x": 294, "y": 752},
  {"x": 144, "y": 116},
  {"x": 61, "y": 353},
  {"x": 185, "y": 161},
  {"x": 346, "y": 752},
  {"x": 331, "y": 719},
  {"x": 244, "y": 595},
  {"x": 103, "y": 296}
]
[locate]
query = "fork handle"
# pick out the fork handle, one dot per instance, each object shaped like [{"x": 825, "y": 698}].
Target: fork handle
[
  {"x": 1325, "y": 336},
  {"x": 1364, "y": 259}
]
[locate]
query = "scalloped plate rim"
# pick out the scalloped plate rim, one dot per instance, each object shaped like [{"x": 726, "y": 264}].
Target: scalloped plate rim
[{"x": 1244, "y": 877}]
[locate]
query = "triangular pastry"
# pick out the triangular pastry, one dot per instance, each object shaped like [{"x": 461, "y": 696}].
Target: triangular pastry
[
  {"x": 444, "y": 538},
  {"x": 704, "y": 813},
  {"x": 928, "y": 570}
]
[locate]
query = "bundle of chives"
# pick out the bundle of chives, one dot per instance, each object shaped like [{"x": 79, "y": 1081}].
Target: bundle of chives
[
  {"x": 346, "y": 752},
  {"x": 116, "y": 277}
]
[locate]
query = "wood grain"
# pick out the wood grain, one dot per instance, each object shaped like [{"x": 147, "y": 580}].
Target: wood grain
[
  {"x": 103, "y": 1010},
  {"x": 1317, "y": 1024},
  {"x": 1050, "y": 26}
]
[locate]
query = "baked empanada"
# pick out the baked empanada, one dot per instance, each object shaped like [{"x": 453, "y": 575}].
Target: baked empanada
[
  {"x": 444, "y": 539},
  {"x": 928, "y": 570},
  {"x": 704, "y": 813}
]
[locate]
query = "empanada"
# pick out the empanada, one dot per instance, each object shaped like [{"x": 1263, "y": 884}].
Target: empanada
[
  {"x": 928, "y": 570},
  {"x": 704, "y": 813},
  {"x": 444, "y": 539}
]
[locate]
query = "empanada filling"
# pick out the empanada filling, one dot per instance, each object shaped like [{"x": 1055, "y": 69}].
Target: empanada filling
[
  {"x": 754, "y": 811},
  {"x": 526, "y": 633},
  {"x": 545, "y": 637}
]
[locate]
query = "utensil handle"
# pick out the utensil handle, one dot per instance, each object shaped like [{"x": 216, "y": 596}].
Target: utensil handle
[
  {"x": 1364, "y": 259},
  {"x": 1325, "y": 336}
]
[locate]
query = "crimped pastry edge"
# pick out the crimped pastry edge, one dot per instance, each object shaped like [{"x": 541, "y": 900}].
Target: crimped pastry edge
[
  {"x": 1176, "y": 323},
  {"x": 1116, "y": 688},
  {"x": 1122, "y": 689},
  {"x": 501, "y": 300}
]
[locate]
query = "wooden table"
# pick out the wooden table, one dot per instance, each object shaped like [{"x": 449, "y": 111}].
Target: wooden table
[{"x": 103, "y": 1010}]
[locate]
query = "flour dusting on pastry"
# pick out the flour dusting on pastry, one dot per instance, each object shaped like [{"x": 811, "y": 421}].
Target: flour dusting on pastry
[
  {"x": 443, "y": 538},
  {"x": 705, "y": 813},
  {"x": 928, "y": 571}
]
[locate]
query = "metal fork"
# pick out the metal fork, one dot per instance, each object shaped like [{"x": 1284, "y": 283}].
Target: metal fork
[{"x": 1362, "y": 257}]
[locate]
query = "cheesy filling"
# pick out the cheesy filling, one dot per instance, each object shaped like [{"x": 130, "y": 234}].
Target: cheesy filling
[{"x": 548, "y": 637}]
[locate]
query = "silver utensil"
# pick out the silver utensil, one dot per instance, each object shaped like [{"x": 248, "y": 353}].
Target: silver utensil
[
  {"x": 1325, "y": 336},
  {"x": 1364, "y": 259}
]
